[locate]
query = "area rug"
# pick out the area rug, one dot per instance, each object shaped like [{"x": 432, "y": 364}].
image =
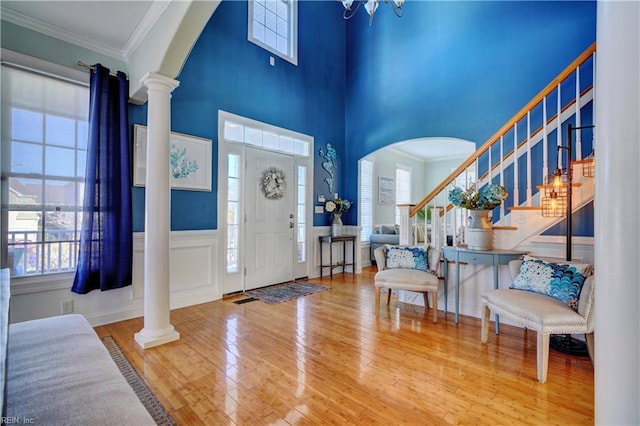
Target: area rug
[
  {"x": 148, "y": 399},
  {"x": 287, "y": 291}
]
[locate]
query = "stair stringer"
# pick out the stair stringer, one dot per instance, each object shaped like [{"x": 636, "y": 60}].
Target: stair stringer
[{"x": 531, "y": 223}]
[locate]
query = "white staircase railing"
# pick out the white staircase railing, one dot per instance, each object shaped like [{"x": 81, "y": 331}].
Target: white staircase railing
[{"x": 515, "y": 152}]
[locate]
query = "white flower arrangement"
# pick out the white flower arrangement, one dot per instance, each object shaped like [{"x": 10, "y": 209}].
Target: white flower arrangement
[{"x": 337, "y": 205}]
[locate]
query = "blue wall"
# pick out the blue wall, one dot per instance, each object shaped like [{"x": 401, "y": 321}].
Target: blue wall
[
  {"x": 225, "y": 71},
  {"x": 457, "y": 69}
]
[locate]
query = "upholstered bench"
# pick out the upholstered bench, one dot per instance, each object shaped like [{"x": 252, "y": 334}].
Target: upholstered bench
[
  {"x": 545, "y": 314},
  {"x": 58, "y": 372},
  {"x": 408, "y": 278}
]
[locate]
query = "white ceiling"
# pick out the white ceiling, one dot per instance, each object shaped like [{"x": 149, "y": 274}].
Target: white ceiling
[
  {"x": 431, "y": 149},
  {"x": 113, "y": 28}
]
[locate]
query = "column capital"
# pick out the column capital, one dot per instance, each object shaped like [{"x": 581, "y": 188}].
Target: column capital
[{"x": 159, "y": 81}]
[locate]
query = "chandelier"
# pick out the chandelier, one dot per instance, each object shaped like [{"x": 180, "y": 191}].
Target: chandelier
[{"x": 370, "y": 6}]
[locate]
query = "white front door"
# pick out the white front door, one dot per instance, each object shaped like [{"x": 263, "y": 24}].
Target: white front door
[{"x": 269, "y": 227}]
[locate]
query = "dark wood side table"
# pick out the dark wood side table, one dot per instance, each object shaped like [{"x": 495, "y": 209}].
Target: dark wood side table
[{"x": 329, "y": 239}]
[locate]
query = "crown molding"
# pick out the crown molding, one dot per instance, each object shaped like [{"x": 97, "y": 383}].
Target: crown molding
[
  {"x": 149, "y": 19},
  {"x": 58, "y": 33}
]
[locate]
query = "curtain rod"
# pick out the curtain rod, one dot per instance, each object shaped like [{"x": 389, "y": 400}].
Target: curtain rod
[{"x": 81, "y": 64}]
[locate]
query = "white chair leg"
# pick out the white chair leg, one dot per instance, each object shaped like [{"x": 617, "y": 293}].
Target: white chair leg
[
  {"x": 590, "y": 347},
  {"x": 484, "y": 331},
  {"x": 543, "y": 356}
]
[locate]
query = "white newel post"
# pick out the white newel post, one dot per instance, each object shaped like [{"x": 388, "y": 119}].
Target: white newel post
[
  {"x": 157, "y": 329},
  {"x": 406, "y": 230}
]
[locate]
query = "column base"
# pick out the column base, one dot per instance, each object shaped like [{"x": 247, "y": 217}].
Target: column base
[{"x": 146, "y": 341}]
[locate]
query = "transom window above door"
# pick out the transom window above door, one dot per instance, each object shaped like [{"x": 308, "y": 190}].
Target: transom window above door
[{"x": 275, "y": 139}]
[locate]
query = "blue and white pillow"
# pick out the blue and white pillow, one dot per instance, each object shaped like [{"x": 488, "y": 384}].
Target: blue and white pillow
[
  {"x": 407, "y": 258},
  {"x": 561, "y": 281}
]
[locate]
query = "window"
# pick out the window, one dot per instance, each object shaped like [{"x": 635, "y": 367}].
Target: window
[
  {"x": 265, "y": 136},
  {"x": 302, "y": 214},
  {"x": 273, "y": 25},
  {"x": 44, "y": 142},
  {"x": 366, "y": 199},
  {"x": 233, "y": 212},
  {"x": 403, "y": 188}
]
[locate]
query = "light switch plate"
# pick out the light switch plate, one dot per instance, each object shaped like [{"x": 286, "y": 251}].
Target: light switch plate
[
  {"x": 319, "y": 209},
  {"x": 321, "y": 199}
]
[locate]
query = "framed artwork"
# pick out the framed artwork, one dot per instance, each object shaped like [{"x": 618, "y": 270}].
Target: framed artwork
[
  {"x": 386, "y": 191},
  {"x": 189, "y": 160}
]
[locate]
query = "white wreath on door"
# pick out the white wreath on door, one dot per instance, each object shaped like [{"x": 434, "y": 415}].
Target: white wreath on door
[{"x": 274, "y": 184}]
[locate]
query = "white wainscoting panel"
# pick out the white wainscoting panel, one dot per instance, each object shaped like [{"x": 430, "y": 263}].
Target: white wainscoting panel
[
  {"x": 193, "y": 269},
  {"x": 319, "y": 231}
]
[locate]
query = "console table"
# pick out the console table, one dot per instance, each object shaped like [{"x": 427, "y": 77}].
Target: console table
[
  {"x": 477, "y": 257},
  {"x": 329, "y": 239}
]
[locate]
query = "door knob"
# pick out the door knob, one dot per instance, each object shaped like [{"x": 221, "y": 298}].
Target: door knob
[{"x": 290, "y": 224}]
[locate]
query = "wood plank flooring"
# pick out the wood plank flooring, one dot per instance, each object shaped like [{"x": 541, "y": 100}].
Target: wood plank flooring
[{"x": 326, "y": 359}]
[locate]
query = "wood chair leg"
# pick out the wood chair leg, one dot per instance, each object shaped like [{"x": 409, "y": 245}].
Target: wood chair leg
[
  {"x": 484, "y": 330},
  {"x": 389, "y": 297},
  {"x": 434, "y": 296},
  {"x": 378, "y": 291},
  {"x": 543, "y": 356}
]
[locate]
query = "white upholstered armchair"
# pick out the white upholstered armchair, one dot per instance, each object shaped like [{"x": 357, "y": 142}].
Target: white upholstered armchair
[
  {"x": 544, "y": 314},
  {"x": 405, "y": 277}
]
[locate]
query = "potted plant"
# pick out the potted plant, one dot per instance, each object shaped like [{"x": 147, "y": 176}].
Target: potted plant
[
  {"x": 337, "y": 206},
  {"x": 479, "y": 202}
]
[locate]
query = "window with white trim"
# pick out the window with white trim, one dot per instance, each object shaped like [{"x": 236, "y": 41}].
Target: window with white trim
[
  {"x": 301, "y": 237},
  {"x": 267, "y": 137},
  {"x": 403, "y": 187},
  {"x": 273, "y": 25},
  {"x": 44, "y": 146},
  {"x": 365, "y": 208},
  {"x": 233, "y": 212}
]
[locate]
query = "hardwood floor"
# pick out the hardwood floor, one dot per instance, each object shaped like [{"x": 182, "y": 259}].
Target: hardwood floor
[{"x": 326, "y": 359}]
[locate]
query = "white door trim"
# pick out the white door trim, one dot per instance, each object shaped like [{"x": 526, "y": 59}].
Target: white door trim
[{"x": 232, "y": 282}]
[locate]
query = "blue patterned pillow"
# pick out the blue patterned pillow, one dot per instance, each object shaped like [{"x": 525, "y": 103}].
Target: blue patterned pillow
[
  {"x": 561, "y": 281},
  {"x": 407, "y": 258}
]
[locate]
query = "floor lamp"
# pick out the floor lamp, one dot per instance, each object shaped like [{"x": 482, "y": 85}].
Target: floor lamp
[{"x": 558, "y": 202}]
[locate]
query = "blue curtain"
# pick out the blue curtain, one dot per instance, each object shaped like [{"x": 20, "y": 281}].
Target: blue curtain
[{"x": 106, "y": 242}]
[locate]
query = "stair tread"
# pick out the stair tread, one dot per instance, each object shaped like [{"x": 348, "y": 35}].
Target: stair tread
[
  {"x": 506, "y": 228},
  {"x": 584, "y": 161},
  {"x": 525, "y": 208},
  {"x": 550, "y": 185}
]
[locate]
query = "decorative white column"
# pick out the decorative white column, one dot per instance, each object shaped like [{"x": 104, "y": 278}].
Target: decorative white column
[
  {"x": 157, "y": 214},
  {"x": 617, "y": 203}
]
